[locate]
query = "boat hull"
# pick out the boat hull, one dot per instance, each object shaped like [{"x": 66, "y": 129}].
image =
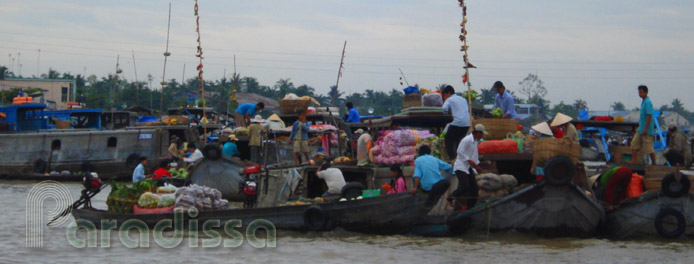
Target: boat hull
[
  {"x": 635, "y": 217},
  {"x": 542, "y": 209}
]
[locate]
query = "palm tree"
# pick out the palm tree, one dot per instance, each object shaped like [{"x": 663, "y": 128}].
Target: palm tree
[
  {"x": 5, "y": 73},
  {"x": 335, "y": 95},
  {"x": 618, "y": 106}
]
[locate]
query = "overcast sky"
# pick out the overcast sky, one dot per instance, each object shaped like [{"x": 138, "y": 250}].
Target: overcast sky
[{"x": 598, "y": 51}]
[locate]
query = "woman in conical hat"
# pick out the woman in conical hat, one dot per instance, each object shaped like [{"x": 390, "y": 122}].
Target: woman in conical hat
[
  {"x": 563, "y": 122},
  {"x": 274, "y": 122}
]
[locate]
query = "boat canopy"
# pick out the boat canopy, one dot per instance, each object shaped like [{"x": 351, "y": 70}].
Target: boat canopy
[{"x": 23, "y": 117}]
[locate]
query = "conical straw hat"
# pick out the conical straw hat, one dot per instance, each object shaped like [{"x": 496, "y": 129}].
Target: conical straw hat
[
  {"x": 561, "y": 119},
  {"x": 543, "y": 128}
]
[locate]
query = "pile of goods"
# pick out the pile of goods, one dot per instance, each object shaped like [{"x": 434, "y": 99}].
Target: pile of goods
[
  {"x": 397, "y": 146},
  {"x": 123, "y": 198},
  {"x": 200, "y": 197},
  {"x": 292, "y": 104},
  {"x": 497, "y": 112},
  {"x": 180, "y": 173},
  {"x": 497, "y": 147},
  {"x": 495, "y": 186},
  {"x": 472, "y": 95},
  {"x": 159, "y": 202}
]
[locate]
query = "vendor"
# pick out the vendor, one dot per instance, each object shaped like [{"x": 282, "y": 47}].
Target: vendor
[
  {"x": 504, "y": 100},
  {"x": 195, "y": 154},
  {"x": 679, "y": 152},
  {"x": 139, "y": 172},
  {"x": 427, "y": 175},
  {"x": 299, "y": 137},
  {"x": 274, "y": 122},
  {"x": 458, "y": 108},
  {"x": 466, "y": 166},
  {"x": 542, "y": 130},
  {"x": 353, "y": 116},
  {"x": 230, "y": 149},
  {"x": 364, "y": 145},
  {"x": 563, "y": 122},
  {"x": 243, "y": 113},
  {"x": 161, "y": 171},
  {"x": 174, "y": 152},
  {"x": 255, "y": 140},
  {"x": 333, "y": 179}
]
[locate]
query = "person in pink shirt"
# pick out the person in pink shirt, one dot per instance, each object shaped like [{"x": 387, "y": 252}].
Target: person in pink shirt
[{"x": 398, "y": 182}]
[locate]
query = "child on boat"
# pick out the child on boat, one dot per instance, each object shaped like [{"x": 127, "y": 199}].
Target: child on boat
[
  {"x": 398, "y": 182},
  {"x": 162, "y": 170}
]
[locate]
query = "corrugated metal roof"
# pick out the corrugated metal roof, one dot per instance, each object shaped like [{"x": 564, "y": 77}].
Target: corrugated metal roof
[{"x": 243, "y": 98}]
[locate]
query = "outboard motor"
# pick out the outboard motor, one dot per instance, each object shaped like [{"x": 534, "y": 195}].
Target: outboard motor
[{"x": 92, "y": 185}]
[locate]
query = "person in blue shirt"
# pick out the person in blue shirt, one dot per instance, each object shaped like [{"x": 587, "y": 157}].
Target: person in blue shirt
[
  {"x": 243, "y": 113},
  {"x": 230, "y": 149},
  {"x": 645, "y": 135},
  {"x": 353, "y": 116},
  {"x": 458, "y": 107},
  {"x": 427, "y": 175},
  {"x": 504, "y": 100},
  {"x": 139, "y": 172},
  {"x": 299, "y": 137}
]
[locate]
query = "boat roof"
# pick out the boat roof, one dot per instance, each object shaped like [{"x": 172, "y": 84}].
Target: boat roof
[
  {"x": 75, "y": 111},
  {"x": 10, "y": 108}
]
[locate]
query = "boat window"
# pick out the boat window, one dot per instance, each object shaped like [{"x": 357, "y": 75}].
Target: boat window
[
  {"x": 55, "y": 145},
  {"x": 112, "y": 142}
]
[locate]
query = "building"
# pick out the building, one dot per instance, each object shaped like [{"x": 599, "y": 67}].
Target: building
[
  {"x": 674, "y": 119},
  {"x": 55, "y": 91}
]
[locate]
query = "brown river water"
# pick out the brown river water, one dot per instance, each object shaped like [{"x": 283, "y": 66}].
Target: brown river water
[{"x": 330, "y": 247}]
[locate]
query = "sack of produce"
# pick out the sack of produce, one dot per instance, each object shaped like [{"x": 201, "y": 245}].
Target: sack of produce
[
  {"x": 167, "y": 188},
  {"x": 509, "y": 181},
  {"x": 489, "y": 182},
  {"x": 166, "y": 200},
  {"x": 432, "y": 99},
  {"x": 148, "y": 200},
  {"x": 497, "y": 147},
  {"x": 121, "y": 199}
]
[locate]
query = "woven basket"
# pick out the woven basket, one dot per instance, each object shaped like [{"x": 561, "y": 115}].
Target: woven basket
[
  {"x": 289, "y": 107},
  {"x": 120, "y": 206},
  {"x": 412, "y": 100},
  {"x": 498, "y": 128},
  {"x": 547, "y": 148}
]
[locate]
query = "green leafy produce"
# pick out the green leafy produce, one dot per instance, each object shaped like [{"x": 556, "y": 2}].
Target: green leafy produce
[
  {"x": 166, "y": 200},
  {"x": 497, "y": 112},
  {"x": 144, "y": 186},
  {"x": 148, "y": 200},
  {"x": 473, "y": 95}
]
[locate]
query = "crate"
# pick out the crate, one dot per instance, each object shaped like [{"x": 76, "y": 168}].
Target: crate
[
  {"x": 412, "y": 100},
  {"x": 288, "y": 107},
  {"x": 371, "y": 193},
  {"x": 655, "y": 174},
  {"x": 621, "y": 154}
]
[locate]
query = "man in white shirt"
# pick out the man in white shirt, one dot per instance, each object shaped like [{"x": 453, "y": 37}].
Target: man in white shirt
[
  {"x": 195, "y": 154},
  {"x": 333, "y": 178},
  {"x": 458, "y": 108},
  {"x": 466, "y": 166}
]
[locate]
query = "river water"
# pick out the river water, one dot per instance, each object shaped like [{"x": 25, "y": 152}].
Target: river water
[{"x": 330, "y": 247}]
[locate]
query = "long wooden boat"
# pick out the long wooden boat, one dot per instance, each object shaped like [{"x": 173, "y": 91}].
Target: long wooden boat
[
  {"x": 543, "y": 209},
  {"x": 652, "y": 214},
  {"x": 384, "y": 214}
]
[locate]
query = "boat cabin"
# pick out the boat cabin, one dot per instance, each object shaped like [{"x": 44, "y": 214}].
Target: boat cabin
[
  {"x": 22, "y": 117},
  {"x": 121, "y": 119},
  {"x": 74, "y": 118}
]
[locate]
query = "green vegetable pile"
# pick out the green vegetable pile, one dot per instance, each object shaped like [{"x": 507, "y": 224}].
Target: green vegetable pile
[
  {"x": 166, "y": 200},
  {"x": 473, "y": 95},
  {"x": 497, "y": 112},
  {"x": 179, "y": 174},
  {"x": 148, "y": 200}
]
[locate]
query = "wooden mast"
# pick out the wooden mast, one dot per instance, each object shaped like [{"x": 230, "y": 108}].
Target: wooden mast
[{"x": 339, "y": 74}]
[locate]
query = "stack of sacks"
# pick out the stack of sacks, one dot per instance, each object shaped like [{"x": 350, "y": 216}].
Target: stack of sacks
[
  {"x": 397, "y": 146},
  {"x": 202, "y": 198},
  {"x": 495, "y": 186}
]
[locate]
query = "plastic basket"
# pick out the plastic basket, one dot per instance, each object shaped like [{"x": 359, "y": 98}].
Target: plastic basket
[{"x": 371, "y": 193}]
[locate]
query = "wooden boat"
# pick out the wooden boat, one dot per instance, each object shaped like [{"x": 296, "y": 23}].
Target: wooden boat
[
  {"x": 383, "y": 214},
  {"x": 543, "y": 209},
  {"x": 668, "y": 212},
  {"x": 554, "y": 207}
]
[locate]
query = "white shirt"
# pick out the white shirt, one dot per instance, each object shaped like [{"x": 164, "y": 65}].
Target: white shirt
[
  {"x": 194, "y": 157},
  {"x": 458, "y": 108},
  {"x": 467, "y": 150},
  {"x": 334, "y": 179}
]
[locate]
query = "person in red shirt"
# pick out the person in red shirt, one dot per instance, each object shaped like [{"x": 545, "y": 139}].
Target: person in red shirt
[{"x": 162, "y": 170}]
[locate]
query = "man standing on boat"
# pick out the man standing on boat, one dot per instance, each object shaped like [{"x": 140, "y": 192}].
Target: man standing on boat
[
  {"x": 139, "y": 172},
  {"x": 427, "y": 175},
  {"x": 467, "y": 165},
  {"x": 243, "y": 113},
  {"x": 353, "y": 116},
  {"x": 504, "y": 100},
  {"x": 645, "y": 135},
  {"x": 458, "y": 108}
]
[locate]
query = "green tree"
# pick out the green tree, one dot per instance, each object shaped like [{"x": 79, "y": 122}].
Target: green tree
[
  {"x": 532, "y": 86},
  {"x": 487, "y": 96},
  {"x": 580, "y": 104},
  {"x": 618, "y": 106}
]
